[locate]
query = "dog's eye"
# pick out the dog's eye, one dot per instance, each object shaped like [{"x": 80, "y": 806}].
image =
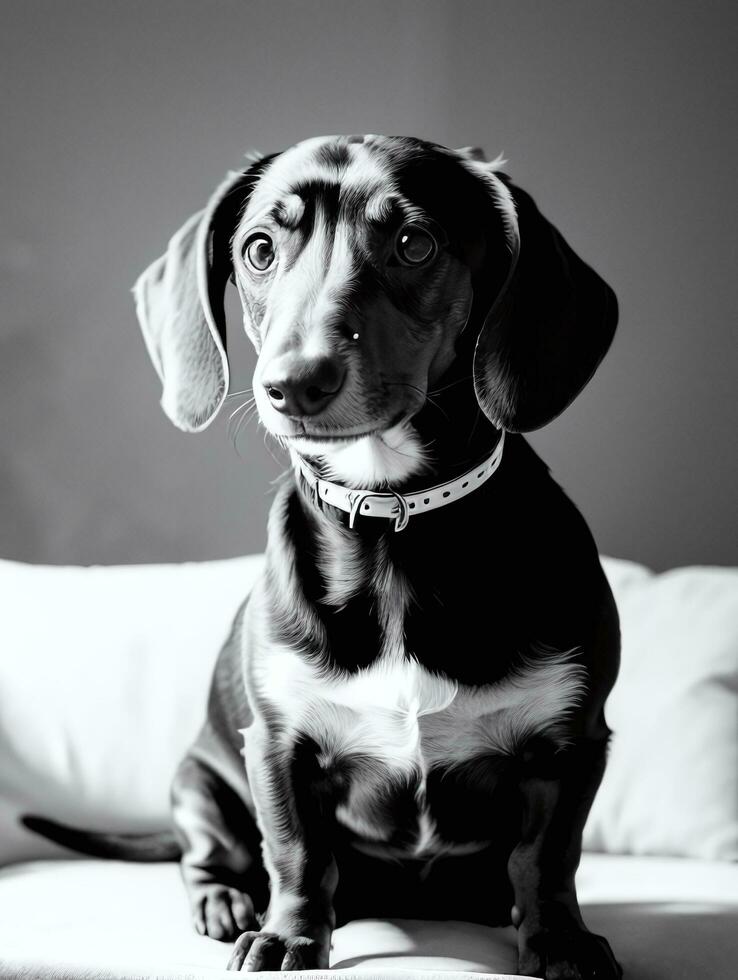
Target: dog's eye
[
  {"x": 415, "y": 246},
  {"x": 259, "y": 252}
]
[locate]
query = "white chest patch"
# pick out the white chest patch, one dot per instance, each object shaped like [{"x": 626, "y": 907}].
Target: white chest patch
[
  {"x": 396, "y": 721},
  {"x": 409, "y": 719}
]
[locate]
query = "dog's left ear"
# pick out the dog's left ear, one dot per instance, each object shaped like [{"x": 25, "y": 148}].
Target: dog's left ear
[
  {"x": 180, "y": 306},
  {"x": 550, "y": 325}
]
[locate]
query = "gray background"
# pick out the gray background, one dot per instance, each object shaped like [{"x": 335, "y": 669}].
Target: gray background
[{"x": 119, "y": 118}]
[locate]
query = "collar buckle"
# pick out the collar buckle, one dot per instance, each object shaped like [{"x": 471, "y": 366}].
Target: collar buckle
[{"x": 403, "y": 517}]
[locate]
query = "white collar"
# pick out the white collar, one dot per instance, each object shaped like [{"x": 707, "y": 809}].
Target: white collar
[{"x": 375, "y": 503}]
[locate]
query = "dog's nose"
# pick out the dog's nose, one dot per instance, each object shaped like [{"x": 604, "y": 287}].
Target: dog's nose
[{"x": 303, "y": 387}]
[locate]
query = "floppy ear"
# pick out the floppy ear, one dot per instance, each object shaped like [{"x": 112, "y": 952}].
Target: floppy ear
[
  {"x": 550, "y": 325},
  {"x": 180, "y": 307}
]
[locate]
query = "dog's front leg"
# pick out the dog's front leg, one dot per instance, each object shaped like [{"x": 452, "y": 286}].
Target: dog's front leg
[
  {"x": 297, "y": 928},
  {"x": 557, "y": 792}
]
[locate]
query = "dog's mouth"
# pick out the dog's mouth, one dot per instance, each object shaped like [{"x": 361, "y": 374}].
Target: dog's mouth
[
  {"x": 332, "y": 438},
  {"x": 337, "y": 437}
]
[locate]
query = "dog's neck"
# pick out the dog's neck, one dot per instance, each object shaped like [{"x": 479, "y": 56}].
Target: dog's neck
[{"x": 456, "y": 432}]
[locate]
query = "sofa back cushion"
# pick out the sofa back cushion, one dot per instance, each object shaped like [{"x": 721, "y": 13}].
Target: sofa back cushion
[
  {"x": 671, "y": 784},
  {"x": 104, "y": 674}
]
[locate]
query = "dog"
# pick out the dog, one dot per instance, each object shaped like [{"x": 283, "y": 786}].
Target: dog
[{"x": 407, "y": 719}]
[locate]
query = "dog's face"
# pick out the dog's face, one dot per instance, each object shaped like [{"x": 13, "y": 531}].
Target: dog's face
[
  {"x": 366, "y": 267},
  {"x": 356, "y": 287}
]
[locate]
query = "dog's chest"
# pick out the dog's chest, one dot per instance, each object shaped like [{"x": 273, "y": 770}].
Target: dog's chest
[
  {"x": 399, "y": 719},
  {"x": 389, "y": 730}
]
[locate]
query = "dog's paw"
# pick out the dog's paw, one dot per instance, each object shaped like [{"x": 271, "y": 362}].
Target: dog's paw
[
  {"x": 571, "y": 954},
  {"x": 271, "y": 951},
  {"x": 222, "y": 913}
]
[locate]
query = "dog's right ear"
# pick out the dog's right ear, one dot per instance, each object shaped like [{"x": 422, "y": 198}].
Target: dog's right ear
[{"x": 180, "y": 306}]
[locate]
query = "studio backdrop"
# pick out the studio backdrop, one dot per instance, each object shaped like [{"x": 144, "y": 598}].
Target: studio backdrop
[{"x": 118, "y": 120}]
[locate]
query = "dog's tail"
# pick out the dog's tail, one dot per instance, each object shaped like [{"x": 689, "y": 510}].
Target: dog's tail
[{"x": 158, "y": 846}]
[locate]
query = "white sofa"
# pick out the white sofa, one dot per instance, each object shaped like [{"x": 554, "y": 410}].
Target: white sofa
[{"x": 103, "y": 679}]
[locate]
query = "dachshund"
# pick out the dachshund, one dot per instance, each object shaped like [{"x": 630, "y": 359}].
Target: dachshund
[{"x": 408, "y": 717}]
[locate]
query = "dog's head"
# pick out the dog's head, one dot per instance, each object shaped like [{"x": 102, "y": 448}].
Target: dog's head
[{"x": 368, "y": 269}]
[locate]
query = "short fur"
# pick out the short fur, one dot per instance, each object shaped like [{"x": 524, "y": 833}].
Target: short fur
[{"x": 401, "y": 724}]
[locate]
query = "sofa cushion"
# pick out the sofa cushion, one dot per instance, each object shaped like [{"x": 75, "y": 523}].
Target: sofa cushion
[
  {"x": 671, "y": 784},
  {"x": 667, "y": 919},
  {"x": 110, "y": 919},
  {"x": 104, "y": 675}
]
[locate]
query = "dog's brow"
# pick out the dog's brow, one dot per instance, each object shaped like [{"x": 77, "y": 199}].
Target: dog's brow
[
  {"x": 383, "y": 207},
  {"x": 289, "y": 212},
  {"x": 380, "y": 207}
]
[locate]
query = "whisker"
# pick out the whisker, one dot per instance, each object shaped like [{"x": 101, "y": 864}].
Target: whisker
[
  {"x": 234, "y": 427},
  {"x": 434, "y": 403},
  {"x": 240, "y": 426},
  {"x": 248, "y": 404},
  {"x": 235, "y": 394},
  {"x": 424, "y": 448},
  {"x": 437, "y": 391},
  {"x": 424, "y": 394},
  {"x": 267, "y": 433},
  {"x": 477, "y": 417}
]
